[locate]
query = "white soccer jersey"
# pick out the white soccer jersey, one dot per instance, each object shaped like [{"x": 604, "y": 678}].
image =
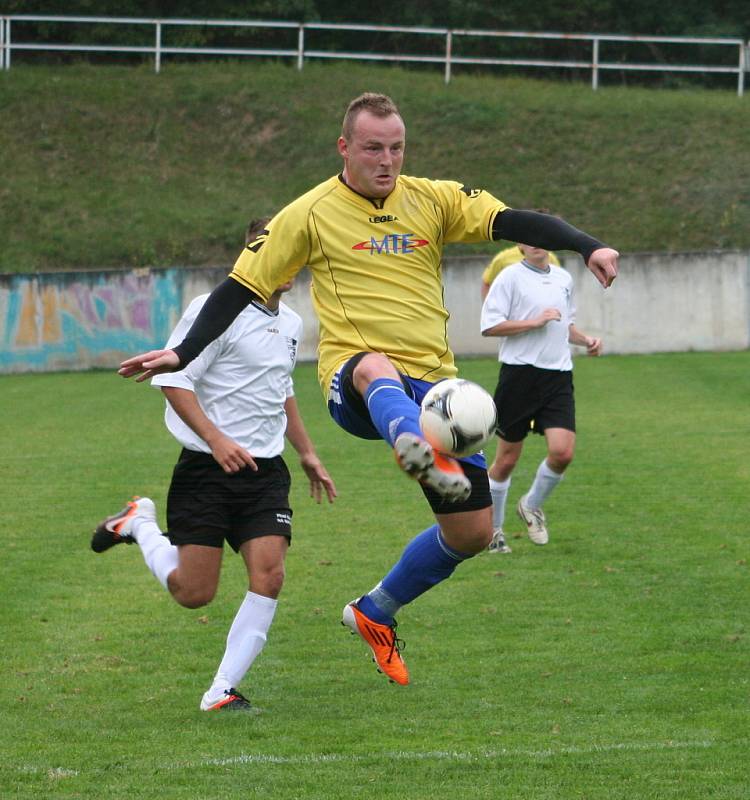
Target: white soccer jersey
[
  {"x": 521, "y": 292},
  {"x": 241, "y": 380}
]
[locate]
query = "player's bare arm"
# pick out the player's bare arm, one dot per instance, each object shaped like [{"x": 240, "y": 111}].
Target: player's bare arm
[
  {"x": 552, "y": 233},
  {"x": 512, "y": 327},
  {"x": 298, "y": 437},
  {"x": 593, "y": 344},
  {"x": 229, "y": 455}
]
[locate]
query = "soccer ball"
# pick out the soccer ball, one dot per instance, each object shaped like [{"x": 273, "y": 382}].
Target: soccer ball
[{"x": 458, "y": 417}]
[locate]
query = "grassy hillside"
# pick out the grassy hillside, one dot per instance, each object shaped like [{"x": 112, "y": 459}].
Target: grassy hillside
[{"x": 116, "y": 166}]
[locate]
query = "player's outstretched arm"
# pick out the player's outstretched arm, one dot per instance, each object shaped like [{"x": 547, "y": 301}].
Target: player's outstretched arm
[{"x": 552, "y": 233}]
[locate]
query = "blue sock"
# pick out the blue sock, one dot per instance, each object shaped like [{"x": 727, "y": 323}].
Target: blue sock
[
  {"x": 426, "y": 561},
  {"x": 391, "y": 409}
]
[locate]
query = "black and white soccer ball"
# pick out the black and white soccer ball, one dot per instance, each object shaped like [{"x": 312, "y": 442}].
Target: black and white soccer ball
[{"x": 458, "y": 417}]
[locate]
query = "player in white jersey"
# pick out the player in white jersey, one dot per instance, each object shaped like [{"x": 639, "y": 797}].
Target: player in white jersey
[
  {"x": 531, "y": 305},
  {"x": 373, "y": 241},
  {"x": 229, "y": 409}
]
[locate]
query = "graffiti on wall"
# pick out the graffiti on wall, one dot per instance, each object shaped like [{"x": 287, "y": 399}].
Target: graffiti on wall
[{"x": 82, "y": 320}]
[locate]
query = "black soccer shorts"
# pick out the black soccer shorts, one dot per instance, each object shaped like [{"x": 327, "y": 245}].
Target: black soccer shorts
[
  {"x": 208, "y": 506},
  {"x": 527, "y": 394}
]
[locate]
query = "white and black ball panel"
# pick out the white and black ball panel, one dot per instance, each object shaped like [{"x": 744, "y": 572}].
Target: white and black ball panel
[{"x": 458, "y": 417}]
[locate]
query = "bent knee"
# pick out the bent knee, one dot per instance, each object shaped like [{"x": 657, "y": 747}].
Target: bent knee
[
  {"x": 559, "y": 460},
  {"x": 371, "y": 367},
  {"x": 483, "y": 539},
  {"x": 193, "y": 597},
  {"x": 475, "y": 541},
  {"x": 268, "y": 583}
]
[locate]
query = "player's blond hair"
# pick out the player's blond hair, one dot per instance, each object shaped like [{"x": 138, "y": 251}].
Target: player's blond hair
[{"x": 379, "y": 105}]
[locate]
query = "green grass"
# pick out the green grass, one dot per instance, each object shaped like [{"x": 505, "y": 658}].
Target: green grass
[
  {"x": 118, "y": 166},
  {"x": 611, "y": 664}
]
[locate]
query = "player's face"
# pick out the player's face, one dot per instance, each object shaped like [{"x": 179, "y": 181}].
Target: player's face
[
  {"x": 535, "y": 255},
  {"x": 374, "y": 155}
]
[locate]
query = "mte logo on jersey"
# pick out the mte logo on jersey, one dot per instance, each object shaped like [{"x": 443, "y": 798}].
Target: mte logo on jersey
[{"x": 392, "y": 244}]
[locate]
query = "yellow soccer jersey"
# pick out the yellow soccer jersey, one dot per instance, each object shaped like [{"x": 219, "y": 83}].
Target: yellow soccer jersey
[
  {"x": 512, "y": 255},
  {"x": 376, "y": 267}
]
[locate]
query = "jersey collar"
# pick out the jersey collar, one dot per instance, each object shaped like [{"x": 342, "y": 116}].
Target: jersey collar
[
  {"x": 369, "y": 202},
  {"x": 539, "y": 270},
  {"x": 264, "y": 309}
]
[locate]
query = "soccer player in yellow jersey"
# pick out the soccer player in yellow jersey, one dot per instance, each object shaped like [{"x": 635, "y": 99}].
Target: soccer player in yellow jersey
[{"x": 373, "y": 240}]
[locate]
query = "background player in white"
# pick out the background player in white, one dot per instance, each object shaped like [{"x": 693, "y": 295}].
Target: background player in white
[
  {"x": 229, "y": 409},
  {"x": 531, "y": 305},
  {"x": 373, "y": 241},
  {"x": 503, "y": 259}
]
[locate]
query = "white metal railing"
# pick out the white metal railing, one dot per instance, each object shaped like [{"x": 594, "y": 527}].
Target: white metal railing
[{"x": 445, "y": 57}]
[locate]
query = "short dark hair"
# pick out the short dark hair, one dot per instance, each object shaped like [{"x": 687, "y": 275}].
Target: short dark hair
[
  {"x": 380, "y": 105},
  {"x": 255, "y": 227}
]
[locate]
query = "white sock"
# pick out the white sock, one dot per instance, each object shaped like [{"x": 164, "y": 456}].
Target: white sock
[
  {"x": 159, "y": 553},
  {"x": 245, "y": 640},
  {"x": 545, "y": 481},
  {"x": 499, "y": 492}
]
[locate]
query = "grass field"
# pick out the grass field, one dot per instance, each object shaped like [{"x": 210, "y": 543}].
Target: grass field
[
  {"x": 612, "y": 663},
  {"x": 117, "y": 166}
]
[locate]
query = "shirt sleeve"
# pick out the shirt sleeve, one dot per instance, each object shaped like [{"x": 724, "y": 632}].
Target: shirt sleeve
[
  {"x": 496, "y": 306},
  {"x": 468, "y": 213},
  {"x": 297, "y": 338},
  {"x": 187, "y": 378},
  {"x": 278, "y": 254},
  {"x": 571, "y": 303}
]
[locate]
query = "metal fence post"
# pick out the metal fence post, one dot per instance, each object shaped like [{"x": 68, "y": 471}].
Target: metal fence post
[
  {"x": 743, "y": 66},
  {"x": 2, "y": 42},
  {"x": 301, "y": 46},
  {"x": 595, "y": 65},
  {"x": 448, "y": 51},
  {"x": 157, "y": 49},
  {"x": 7, "y": 43}
]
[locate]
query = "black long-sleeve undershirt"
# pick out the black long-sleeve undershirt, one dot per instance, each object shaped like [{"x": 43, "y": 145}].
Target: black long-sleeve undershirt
[
  {"x": 542, "y": 230},
  {"x": 221, "y": 308}
]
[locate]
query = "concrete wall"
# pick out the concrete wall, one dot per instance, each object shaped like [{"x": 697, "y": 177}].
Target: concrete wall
[
  {"x": 79, "y": 320},
  {"x": 659, "y": 303}
]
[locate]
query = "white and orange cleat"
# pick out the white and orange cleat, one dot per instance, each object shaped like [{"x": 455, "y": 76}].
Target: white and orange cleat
[
  {"x": 117, "y": 529},
  {"x": 441, "y": 473},
  {"x": 231, "y": 700}
]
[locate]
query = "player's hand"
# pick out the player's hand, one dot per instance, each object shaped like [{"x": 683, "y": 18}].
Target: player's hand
[
  {"x": 146, "y": 365},
  {"x": 320, "y": 480},
  {"x": 230, "y": 456},
  {"x": 548, "y": 315},
  {"x": 603, "y": 264},
  {"x": 593, "y": 346}
]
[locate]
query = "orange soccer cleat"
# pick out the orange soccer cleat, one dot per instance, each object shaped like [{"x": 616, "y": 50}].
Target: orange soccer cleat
[{"x": 382, "y": 640}]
